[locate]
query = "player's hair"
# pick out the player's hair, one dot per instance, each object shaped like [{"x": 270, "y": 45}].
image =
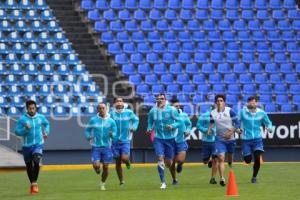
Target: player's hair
[
  {"x": 161, "y": 94},
  {"x": 220, "y": 96},
  {"x": 174, "y": 100},
  {"x": 30, "y": 102},
  {"x": 252, "y": 98},
  {"x": 116, "y": 98}
]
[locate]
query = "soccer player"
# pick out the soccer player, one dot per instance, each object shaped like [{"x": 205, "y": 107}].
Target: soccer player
[
  {"x": 208, "y": 145},
  {"x": 165, "y": 120},
  {"x": 181, "y": 144},
  {"x": 226, "y": 122},
  {"x": 99, "y": 131},
  {"x": 252, "y": 118},
  {"x": 34, "y": 128},
  {"x": 127, "y": 122}
]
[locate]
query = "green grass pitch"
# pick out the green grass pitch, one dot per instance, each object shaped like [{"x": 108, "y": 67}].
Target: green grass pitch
[{"x": 277, "y": 181}]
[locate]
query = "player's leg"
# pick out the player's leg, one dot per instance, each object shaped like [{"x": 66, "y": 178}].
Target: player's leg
[
  {"x": 246, "y": 151},
  {"x": 173, "y": 171},
  {"x": 95, "y": 155},
  {"x": 258, "y": 151},
  {"x": 125, "y": 154},
  {"x": 214, "y": 169},
  {"x": 159, "y": 151},
  {"x": 220, "y": 150},
  {"x": 230, "y": 146},
  {"x": 183, "y": 147},
  {"x": 117, "y": 156},
  {"x": 206, "y": 154},
  {"x": 27, "y": 155},
  {"x": 106, "y": 158},
  {"x": 37, "y": 153}
]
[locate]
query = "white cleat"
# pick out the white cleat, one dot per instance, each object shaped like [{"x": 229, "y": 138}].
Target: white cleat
[
  {"x": 102, "y": 186},
  {"x": 163, "y": 186}
]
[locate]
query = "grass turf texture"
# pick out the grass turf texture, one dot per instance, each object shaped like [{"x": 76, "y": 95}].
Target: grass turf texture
[{"x": 275, "y": 181}]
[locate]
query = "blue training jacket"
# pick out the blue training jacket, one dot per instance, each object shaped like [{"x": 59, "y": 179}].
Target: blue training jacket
[
  {"x": 203, "y": 124},
  {"x": 39, "y": 125},
  {"x": 125, "y": 121},
  {"x": 100, "y": 130},
  {"x": 159, "y": 118},
  {"x": 185, "y": 127},
  {"x": 252, "y": 122}
]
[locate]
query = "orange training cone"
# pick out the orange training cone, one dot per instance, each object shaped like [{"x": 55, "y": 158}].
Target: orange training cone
[{"x": 232, "y": 187}]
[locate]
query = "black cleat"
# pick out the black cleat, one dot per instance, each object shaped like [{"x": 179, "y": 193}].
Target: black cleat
[
  {"x": 213, "y": 181},
  {"x": 253, "y": 180},
  {"x": 222, "y": 183},
  {"x": 98, "y": 171}
]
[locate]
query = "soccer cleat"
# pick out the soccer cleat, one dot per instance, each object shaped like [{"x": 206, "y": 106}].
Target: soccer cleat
[
  {"x": 179, "y": 168},
  {"x": 253, "y": 180},
  {"x": 222, "y": 182},
  {"x": 175, "y": 182},
  {"x": 209, "y": 164},
  {"x": 163, "y": 186},
  {"x": 122, "y": 183},
  {"x": 102, "y": 186},
  {"x": 128, "y": 165},
  {"x": 213, "y": 181},
  {"x": 34, "y": 189},
  {"x": 230, "y": 164}
]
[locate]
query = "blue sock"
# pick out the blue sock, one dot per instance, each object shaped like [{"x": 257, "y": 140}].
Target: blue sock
[{"x": 161, "y": 171}]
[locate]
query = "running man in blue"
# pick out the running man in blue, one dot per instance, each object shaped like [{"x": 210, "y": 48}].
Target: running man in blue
[
  {"x": 165, "y": 120},
  {"x": 252, "y": 118},
  {"x": 34, "y": 128},
  {"x": 99, "y": 131},
  {"x": 127, "y": 122},
  {"x": 208, "y": 145},
  {"x": 226, "y": 122},
  {"x": 181, "y": 144}
]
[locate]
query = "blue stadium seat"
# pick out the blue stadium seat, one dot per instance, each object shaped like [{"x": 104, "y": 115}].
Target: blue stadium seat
[
  {"x": 183, "y": 79},
  {"x": 232, "y": 99},
  {"x": 213, "y": 36},
  {"x": 173, "y": 89},
  {"x": 188, "y": 89},
  {"x": 208, "y": 68},
  {"x": 135, "y": 79},
  {"x": 145, "y": 5},
  {"x": 265, "y": 89},
  {"x": 232, "y": 4},
  {"x": 169, "y": 58},
  {"x": 293, "y": 14},
  {"x": 151, "y": 79},
  {"x": 203, "y": 89},
  {"x": 280, "y": 89},
  {"x": 155, "y": 15},
  {"x": 121, "y": 59},
  {"x": 199, "y": 36},
  {"x": 233, "y": 47},
  {"x": 143, "y": 48},
  {"x": 282, "y": 99},
  {"x": 232, "y": 14},
  {"x": 116, "y": 26},
  {"x": 224, "y": 25},
  {"x": 144, "y": 68},
  {"x": 87, "y": 5},
  {"x": 264, "y": 58},
  {"x": 102, "y": 5},
  {"x": 184, "y": 36},
  {"x": 270, "y": 108},
  {"x": 100, "y": 26},
  {"x": 208, "y": 25},
  {"x": 248, "y": 58},
  {"x": 273, "y": 36},
  {"x": 218, "y": 88},
  {"x": 265, "y": 98},
  {"x": 109, "y": 15},
  {"x": 167, "y": 79},
  {"x": 152, "y": 58},
  {"x": 287, "y": 36},
  {"x": 233, "y": 58},
  {"x": 177, "y": 25},
  {"x": 289, "y": 4},
  {"x": 201, "y": 14},
  {"x": 169, "y": 37},
  {"x": 230, "y": 78},
  {"x": 294, "y": 89},
  {"x": 185, "y": 58},
  {"x": 217, "y": 4},
  {"x": 278, "y": 47},
  {"x": 107, "y": 37},
  {"x": 142, "y": 89},
  {"x": 200, "y": 58},
  {"x": 258, "y": 36},
  {"x": 117, "y": 5},
  {"x": 204, "y": 108},
  {"x": 131, "y": 26},
  {"x": 261, "y": 78},
  {"x": 296, "y": 99},
  {"x": 193, "y": 25},
  {"x": 198, "y": 98},
  {"x": 243, "y": 36},
  {"x": 217, "y": 14},
  {"x": 271, "y": 68},
  {"x": 292, "y": 47},
  {"x": 295, "y": 57},
  {"x": 131, "y": 4},
  {"x": 246, "y": 4},
  {"x": 286, "y": 68},
  {"x": 149, "y": 100},
  {"x": 162, "y": 25},
  {"x": 255, "y": 68},
  {"x": 245, "y": 78},
  {"x": 158, "y": 89},
  {"x": 291, "y": 79},
  {"x": 247, "y": 15},
  {"x": 284, "y": 25},
  {"x": 136, "y": 58},
  {"x": 170, "y": 14},
  {"x": 129, "y": 48},
  {"x": 198, "y": 79},
  {"x": 160, "y": 69},
  {"x": 175, "y": 4},
  {"x": 287, "y": 108},
  {"x": 214, "y": 78},
  {"x": 275, "y": 78},
  {"x": 124, "y": 15},
  {"x": 159, "y": 47},
  {"x": 240, "y": 68},
  {"x": 254, "y": 25},
  {"x": 188, "y": 47},
  {"x": 280, "y": 58},
  {"x": 275, "y": 4},
  {"x": 203, "y": 4},
  {"x": 249, "y": 89},
  {"x": 262, "y": 15},
  {"x": 203, "y": 47}
]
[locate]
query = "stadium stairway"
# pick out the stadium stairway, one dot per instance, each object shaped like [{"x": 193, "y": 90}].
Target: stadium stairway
[
  {"x": 10, "y": 159},
  {"x": 88, "y": 51}
]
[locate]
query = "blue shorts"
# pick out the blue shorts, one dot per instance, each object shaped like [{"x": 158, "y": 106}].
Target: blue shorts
[
  {"x": 119, "y": 148},
  {"x": 102, "y": 154},
  {"x": 164, "y": 147},
  {"x": 208, "y": 149},
  {"x": 29, "y": 151},
  {"x": 222, "y": 147},
  {"x": 182, "y": 146},
  {"x": 249, "y": 146}
]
